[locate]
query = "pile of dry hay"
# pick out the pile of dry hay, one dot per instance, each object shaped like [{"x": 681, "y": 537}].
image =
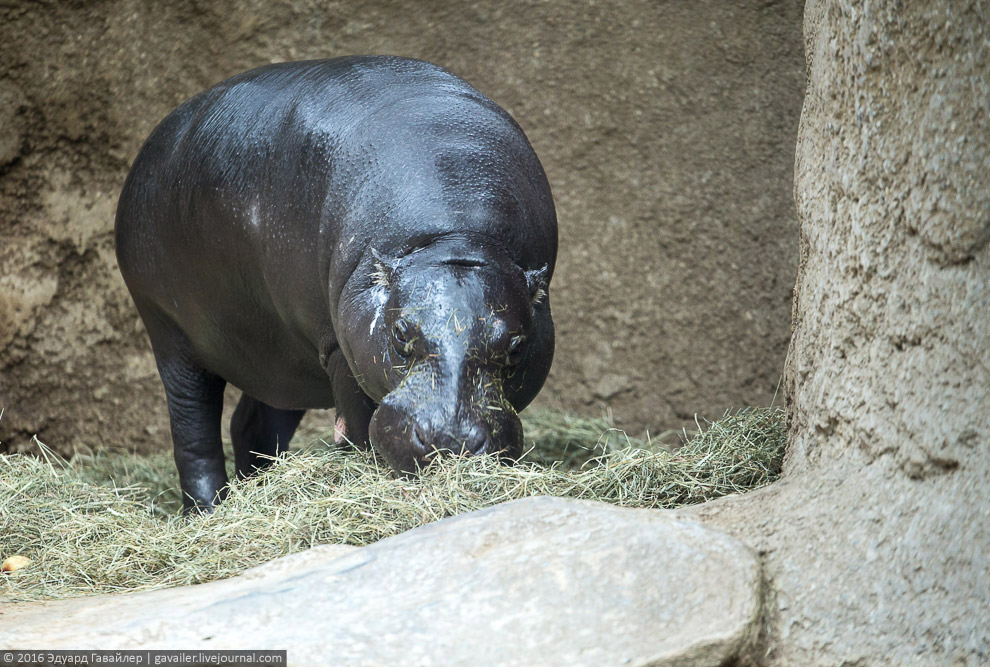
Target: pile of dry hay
[{"x": 107, "y": 524}]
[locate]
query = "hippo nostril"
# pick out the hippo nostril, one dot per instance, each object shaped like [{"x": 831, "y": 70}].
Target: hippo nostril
[
  {"x": 477, "y": 442},
  {"x": 484, "y": 448},
  {"x": 421, "y": 439},
  {"x": 429, "y": 443}
]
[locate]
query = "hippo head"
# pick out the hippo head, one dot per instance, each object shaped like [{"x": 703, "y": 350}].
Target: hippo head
[{"x": 461, "y": 340}]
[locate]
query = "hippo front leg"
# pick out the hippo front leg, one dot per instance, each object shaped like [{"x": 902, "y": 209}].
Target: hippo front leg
[{"x": 353, "y": 407}]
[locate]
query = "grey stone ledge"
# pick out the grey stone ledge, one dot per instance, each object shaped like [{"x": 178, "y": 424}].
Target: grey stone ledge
[{"x": 538, "y": 581}]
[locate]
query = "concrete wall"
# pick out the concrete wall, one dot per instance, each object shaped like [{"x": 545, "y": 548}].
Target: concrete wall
[{"x": 666, "y": 128}]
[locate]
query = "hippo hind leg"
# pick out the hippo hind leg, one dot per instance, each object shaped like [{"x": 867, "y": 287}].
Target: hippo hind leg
[
  {"x": 259, "y": 433},
  {"x": 195, "y": 404}
]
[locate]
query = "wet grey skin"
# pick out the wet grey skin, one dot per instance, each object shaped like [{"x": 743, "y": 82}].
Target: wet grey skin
[{"x": 369, "y": 234}]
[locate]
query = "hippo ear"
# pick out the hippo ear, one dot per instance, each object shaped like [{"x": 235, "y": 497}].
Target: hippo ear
[
  {"x": 536, "y": 281},
  {"x": 384, "y": 269}
]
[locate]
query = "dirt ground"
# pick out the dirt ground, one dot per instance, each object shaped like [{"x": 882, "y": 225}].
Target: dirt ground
[{"x": 667, "y": 131}]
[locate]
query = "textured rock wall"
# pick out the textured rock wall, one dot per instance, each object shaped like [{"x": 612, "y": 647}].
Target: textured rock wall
[
  {"x": 892, "y": 179},
  {"x": 875, "y": 540},
  {"x": 667, "y": 131}
]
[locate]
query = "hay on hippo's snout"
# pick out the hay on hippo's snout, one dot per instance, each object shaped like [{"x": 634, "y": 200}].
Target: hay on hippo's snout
[{"x": 88, "y": 534}]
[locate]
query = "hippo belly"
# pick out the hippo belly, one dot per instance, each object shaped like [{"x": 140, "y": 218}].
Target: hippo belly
[{"x": 281, "y": 375}]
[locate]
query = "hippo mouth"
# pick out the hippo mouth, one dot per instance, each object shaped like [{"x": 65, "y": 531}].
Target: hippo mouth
[{"x": 410, "y": 439}]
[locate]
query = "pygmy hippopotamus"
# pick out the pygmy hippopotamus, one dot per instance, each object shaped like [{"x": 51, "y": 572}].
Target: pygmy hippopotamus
[{"x": 370, "y": 234}]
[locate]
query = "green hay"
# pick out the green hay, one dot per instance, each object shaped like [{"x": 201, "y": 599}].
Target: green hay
[{"x": 107, "y": 524}]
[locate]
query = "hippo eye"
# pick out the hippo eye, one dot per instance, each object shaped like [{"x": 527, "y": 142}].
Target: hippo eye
[
  {"x": 516, "y": 349},
  {"x": 402, "y": 332}
]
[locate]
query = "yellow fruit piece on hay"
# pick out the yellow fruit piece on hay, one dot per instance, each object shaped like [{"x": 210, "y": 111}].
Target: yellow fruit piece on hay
[{"x": 14, "y": 563}]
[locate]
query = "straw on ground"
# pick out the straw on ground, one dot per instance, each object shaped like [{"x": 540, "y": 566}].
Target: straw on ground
[{"x": 106, "y": 523}]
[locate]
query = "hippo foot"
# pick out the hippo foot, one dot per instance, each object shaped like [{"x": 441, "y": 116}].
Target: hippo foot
[{"x": 340, "y": 432}]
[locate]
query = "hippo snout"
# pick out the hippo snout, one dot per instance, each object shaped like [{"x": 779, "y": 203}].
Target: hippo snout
[
  {"x": 459, "y": 438},
  {"x": 409, "y": 438}
]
